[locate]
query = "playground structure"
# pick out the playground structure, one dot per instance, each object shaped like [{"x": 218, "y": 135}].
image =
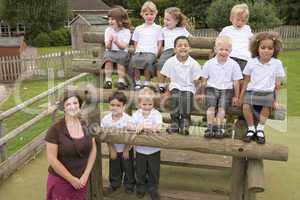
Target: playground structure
[{"x": 195, "y": 151}]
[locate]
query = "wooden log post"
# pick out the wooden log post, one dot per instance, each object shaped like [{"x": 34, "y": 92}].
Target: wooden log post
[
  {"x": 255, "y": 176},
  {"x": 238, "y": 166},
  {"x": 3, "y": 147}
]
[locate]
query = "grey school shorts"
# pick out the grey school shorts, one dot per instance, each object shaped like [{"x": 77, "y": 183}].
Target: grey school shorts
[
  {"x": 164, "y": 57},
  {"x": 119, "y": 57},
  {"x": 259, "y": 98},
  {"x": 218, "y": 98},
  {"x": 141, "y": 60}
]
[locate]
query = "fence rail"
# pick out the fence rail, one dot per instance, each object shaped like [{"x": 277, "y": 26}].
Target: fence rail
[{"x": 14, "y": 67}]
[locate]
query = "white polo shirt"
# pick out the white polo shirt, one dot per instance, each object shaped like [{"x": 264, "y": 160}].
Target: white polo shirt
[
  {"x": 240, "y": 40},
  {"x": 107, "y": 122},
  {"x": 263, "y": 76},
  {"x": 221, "y": 76},
  {"x": 147, "y": 37},
  {"x": 123, "y": 35},
  {"x": 169, "y": 36},
  {"x": 153, "y": 118},
  {"x": 182, "y": 75}
]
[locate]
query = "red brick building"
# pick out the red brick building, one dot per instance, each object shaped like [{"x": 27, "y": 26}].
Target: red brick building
[{"x": 12, "y": 46}]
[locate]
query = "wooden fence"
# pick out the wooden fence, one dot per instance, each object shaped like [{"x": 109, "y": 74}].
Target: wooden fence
[
  {"x": 14, "y": 67},
  {"x": 289, "y": 34}
]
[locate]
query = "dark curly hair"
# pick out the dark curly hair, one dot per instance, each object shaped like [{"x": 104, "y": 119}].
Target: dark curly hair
[
  {"x": 258, "y": 37},
  {"x": 120, "y": 96}
]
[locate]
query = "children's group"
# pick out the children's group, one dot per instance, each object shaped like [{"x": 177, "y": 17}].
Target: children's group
[{"x": 244, "y": 71}]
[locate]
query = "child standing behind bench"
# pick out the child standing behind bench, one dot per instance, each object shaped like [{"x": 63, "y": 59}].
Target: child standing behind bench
[
  {"x": 219, "y": 76},
  {"x": 263, "y": 75},
  {"x": 117, "y": 37},
  {"x": 182, "y": 73},
  {"x": 147, "y": 40},
  {"x": 174, "y": 22},
  {"x": 121, "y": 169},
  {"x": 149, "y": 120}
]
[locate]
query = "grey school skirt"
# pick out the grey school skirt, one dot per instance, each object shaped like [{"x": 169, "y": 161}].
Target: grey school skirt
[
  {"x": 119, "y": 57},
  {"x": 164, "y": 57},
  {"x": 259, "y": 98},
  {"x": 141, "y": 60}
]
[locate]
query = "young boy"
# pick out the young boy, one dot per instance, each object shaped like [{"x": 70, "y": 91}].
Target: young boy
[
  {"x": 219, "y": 75},
  {"x": 148, "y": 119},
  {"x": 240, "y": 34},
  {"x": 182, "y": 73},
  {"x": 147, "y": 43},
  {"x": 121, "y": 156}
]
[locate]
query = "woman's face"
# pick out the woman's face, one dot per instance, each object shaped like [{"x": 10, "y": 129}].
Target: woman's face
[{"x": 72, "y": 106}]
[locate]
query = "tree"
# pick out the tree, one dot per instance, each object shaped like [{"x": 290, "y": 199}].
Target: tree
[
  {"x": 8, "y": 11},
  {"x": 288, "y": 10}
]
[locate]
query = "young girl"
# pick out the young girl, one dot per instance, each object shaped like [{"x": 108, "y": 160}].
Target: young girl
[
  {"x": 117, "y": 37},
  {"x": 263, "y": 75},
  {"x": 147, "y": 43},
  {"x": 174, "y": 22}
]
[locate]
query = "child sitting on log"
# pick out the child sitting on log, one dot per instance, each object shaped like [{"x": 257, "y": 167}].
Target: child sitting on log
[
  {"x": 117, "y": 37},
  {"x": 149, "y": 120},
  {"x": 121, "y": 168},
  {"x": 263, "y": 75},
  {"x": 182, "y": 73},
  {"x": 220, "y": 75}
]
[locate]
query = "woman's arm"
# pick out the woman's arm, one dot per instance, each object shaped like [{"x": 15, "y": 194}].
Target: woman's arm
[
  {"x": 58, "y": 167},
  {"x": 91, "y": 160}
]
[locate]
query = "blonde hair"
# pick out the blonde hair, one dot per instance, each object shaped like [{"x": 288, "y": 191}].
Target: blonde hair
[
  {"x": 223, "y": 40},
  {"x": 146, "y": 93},
  {"x": 240, "y": 10},
  {"x": 148, "y": 5},
  {"x": 177, "y": 15}
]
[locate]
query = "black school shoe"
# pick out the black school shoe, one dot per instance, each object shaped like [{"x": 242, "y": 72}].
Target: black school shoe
[
  {"x": 260, "y": 139},
  {"x": 184, "y": 131},
  {"x": 121, "y": 86},
  {"x": 219, "y": 133},
  {"x": 250, "y": 135},
  {"x": 129, "y": 190},
  {"x": 172, "y": 130},
  {"x": 110, "y": 189},
  {"x": 154, "y": 195},
  {"x": 108, "y": 85},
  {"x": 162, "y": 90},
  {"x": 209, "y": 133},
  {"x": 140, "y": 194}
]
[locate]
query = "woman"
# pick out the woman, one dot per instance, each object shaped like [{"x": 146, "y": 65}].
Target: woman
[{"x": 71, "y": 153}]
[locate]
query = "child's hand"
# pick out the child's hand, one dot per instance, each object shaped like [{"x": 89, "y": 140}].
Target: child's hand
[
  {"x": 113, "y": 154},
  {"x": 235, "y": 101},
  {"x": 276, "y": 105},
  {"x": 139, "y": 127},
  {"x": 125, "y": 154},
  {"x": 114, "y": 38}
]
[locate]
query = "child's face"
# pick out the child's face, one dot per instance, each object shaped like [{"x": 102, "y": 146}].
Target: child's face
[
  {"x": 238, "y": 21},
  {"x": 266, "y": 50},
  {"x": 223, "y": 50},
  {"x": 146, "y": 104},
  {"x": 149, "y": 16},
  {"x": 116, "y": 107},
  {"x": 182, "y": 48},
  {"x": 113, "y": 23},
  {"x": 169, "y": 21}
]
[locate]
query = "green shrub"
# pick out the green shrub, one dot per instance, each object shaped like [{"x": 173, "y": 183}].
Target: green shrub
[
  {"x": 60, "y": 37},
  {"x": 41, "y": 40}
]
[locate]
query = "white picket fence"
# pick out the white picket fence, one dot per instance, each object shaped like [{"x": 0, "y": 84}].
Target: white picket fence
[{"x": 14, "y": 67}]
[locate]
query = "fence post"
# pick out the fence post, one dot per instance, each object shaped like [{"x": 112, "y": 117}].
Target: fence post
[
  {"x": 63, "y": 64},
  {"x": 3, "y": 147}
]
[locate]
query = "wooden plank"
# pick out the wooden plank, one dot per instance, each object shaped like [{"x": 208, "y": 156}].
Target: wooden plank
[
  {"x": 228, "y": 147},
  {"x": 22, "y": 156}
]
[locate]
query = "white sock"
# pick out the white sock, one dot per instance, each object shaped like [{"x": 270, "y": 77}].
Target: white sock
[
  {"x": 121, "y": 80},
  {"x": 108, "y": 79},
  {"x": 251, "y": 128},
  {"x": 260, "y": 127},
  {"x": 146, "y": 83},
  {"x": 162, "y": 85},
  {"x": 138, "y": 82}
]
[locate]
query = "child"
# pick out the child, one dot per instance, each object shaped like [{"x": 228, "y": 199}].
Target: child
[
  {"x": 219, "y": 76},
  {"x": 147, "y": 40},
  {"x": 117, "y": 37},
  {"x": 263, "y": 75},
  {"x": 121, "y": 156},
  {"x": 182, "y": 73},
  {"x": 174, "y": 22},
  {"x": 148, "y": 119},
  {"x": 240, "y": 34}
]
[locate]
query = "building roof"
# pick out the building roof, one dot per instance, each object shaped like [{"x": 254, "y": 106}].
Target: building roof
[
  {"x": 91, "y": 19},
  {"x": 11, "y": 41},
  {"x": 88, "y": 5}
]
